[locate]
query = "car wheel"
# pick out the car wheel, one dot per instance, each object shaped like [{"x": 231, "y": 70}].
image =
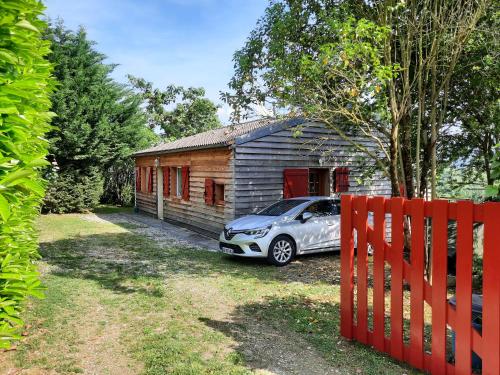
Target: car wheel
[{"x": 281, "y": 251}]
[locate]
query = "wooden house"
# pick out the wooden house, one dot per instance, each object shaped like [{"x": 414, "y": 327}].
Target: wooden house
[{"x": 204, "y": 181}]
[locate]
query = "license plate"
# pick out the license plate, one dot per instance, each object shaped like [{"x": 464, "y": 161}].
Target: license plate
[{"x": 227, "y": 250}]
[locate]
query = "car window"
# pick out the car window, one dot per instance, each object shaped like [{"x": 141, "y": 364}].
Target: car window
[
  {"x": 324, "y": 208},
  {"x": 281, "y": 207}
]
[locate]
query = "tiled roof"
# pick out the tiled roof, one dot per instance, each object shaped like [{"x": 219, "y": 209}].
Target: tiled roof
[{"x": 218, "y": 137}]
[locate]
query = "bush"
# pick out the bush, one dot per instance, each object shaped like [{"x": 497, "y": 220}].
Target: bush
[
  {"x": 73, "y": 191},
  {"x": 119, "y": 183},
  {"x": 25, "y": 85}
]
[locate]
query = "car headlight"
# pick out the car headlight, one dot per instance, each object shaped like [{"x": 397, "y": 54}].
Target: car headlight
[{"x": 259, "y": 232}]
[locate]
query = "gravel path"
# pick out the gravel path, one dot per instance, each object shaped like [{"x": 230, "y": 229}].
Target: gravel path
[{"x": 162, "y": 232}]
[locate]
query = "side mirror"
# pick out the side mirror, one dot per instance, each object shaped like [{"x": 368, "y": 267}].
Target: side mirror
[{"x": 306, "y": 216}]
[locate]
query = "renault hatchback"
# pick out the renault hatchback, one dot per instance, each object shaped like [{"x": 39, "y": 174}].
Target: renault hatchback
[{"x": 285, "y": 229}]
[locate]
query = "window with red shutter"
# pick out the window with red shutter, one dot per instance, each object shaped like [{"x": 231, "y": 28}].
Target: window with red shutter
[
  {"x": 295, "y": 183},
  {"x": 209, "y": 192},
  {"x": 138, "y": 179},
  {"x": 185, "y": 183},
  {"x": 166, "y": 182},
  {"x": 150, "y": 179},
  {"x": 341, "y": 179}
]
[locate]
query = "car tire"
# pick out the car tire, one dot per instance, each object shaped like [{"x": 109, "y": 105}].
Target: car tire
[{"x": 281, "y": 251}]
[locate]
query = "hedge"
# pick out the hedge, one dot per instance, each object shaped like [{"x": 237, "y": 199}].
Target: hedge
[{"x": 25, "y": 86}]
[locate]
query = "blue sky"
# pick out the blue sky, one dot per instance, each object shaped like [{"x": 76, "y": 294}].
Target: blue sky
[{"x": 184, "y": 42}]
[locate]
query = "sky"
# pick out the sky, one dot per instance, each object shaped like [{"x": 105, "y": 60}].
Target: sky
[{"x": 182, "y": 42}]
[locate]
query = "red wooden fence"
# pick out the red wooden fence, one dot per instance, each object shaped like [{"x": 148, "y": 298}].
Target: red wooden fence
[{"x": 355, "y": 315}]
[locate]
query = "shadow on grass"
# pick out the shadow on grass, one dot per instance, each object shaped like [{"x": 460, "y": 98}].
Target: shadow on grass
[
  {"x": 125, "y": 262},
  {"x": 262, "y": 330}
]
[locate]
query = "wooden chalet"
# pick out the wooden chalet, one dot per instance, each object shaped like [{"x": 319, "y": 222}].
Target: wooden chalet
[{"x": 205, "y": 180}]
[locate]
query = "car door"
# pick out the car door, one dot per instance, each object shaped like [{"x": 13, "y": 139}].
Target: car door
[
  {"x": 328, "y": 219},
  {"x": 315, "y": 233},
  {"x": 333, "y": 219}
]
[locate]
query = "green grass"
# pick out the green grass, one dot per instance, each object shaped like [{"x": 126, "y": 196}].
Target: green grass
[{"x": 118, "y": 302}]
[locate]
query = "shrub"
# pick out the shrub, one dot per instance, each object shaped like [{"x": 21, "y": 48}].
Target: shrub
[
  {"x": 73, "y": 191},
  {"x": 25, "y": 85}
]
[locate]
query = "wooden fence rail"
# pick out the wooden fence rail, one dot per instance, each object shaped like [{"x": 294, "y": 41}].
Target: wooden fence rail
[{"x": 383, "y": 326}]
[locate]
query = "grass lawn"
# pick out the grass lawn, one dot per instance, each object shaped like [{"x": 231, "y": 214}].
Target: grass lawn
[{"x": 117, "y": 302}]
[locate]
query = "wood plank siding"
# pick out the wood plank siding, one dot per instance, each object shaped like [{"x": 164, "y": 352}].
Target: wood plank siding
[
  {"x": 259, "y": 164},
  {"x": 216, "y": 164},
  {"x": 146, "y": 201}
]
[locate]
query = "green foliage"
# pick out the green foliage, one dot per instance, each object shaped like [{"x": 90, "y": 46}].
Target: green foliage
[
  {"x": 272, "y": 56},
  {"x": 99, "y": 125},
  {"x": 25, "y": 85},
  {"x": 345, "y": 82},
  {"x": 192, "y": 113},
  {"x": 71, "y": 191},
  {"x": 474, "y": 109},
  {"x": 493, "y": 190}
]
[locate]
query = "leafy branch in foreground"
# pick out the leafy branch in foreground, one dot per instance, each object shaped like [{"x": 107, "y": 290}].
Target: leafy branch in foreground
[{"x": 25, "y": 85}]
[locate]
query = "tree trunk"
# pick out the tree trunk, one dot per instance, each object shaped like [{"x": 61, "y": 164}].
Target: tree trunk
[
  {"x": 393, "y": 166},
  {"x": 407, "y": 158}
]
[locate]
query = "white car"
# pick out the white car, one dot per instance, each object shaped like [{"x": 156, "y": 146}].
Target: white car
[{"x": 285, "y": 229}]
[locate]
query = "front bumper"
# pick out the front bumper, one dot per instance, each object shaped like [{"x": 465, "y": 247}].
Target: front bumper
[{"x": 244, "y": 246}]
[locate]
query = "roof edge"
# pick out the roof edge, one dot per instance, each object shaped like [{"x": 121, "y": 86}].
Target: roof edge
[
  {"x": 184, "y": 149},
  {"x": 268, "y": 130}
]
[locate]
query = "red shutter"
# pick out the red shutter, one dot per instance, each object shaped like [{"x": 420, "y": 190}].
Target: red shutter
[
  {"x": 185, "y": 183},
  {"x": 166, "y": 182},
  {"x": 150, "y": 180},
  {"x": 138, "y": 179},
  {"x": 209, "y": 192},
  {"x": 341, "y": 179},
  {"x": 296, "y": 183}
]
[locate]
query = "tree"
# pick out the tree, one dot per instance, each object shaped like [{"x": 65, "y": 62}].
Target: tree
[
  {"x": 99, "y": 124},
  {"x": 396, "y": 58},
  {"x": 472, "y": 125},
  {"x": 25, "y": 85},
  {"x": 192, "y": 113}
]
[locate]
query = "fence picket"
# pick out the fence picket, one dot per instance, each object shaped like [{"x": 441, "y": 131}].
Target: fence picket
[
  {"x": 397, "y": 248},
  {"x": 347, "y": 268},
  {"x": 464, "y": 249},
  {"x": 491, "y": 286},
  {"x": 379, "y": 274},
  {"x": 439, "y": 284},
  {"x": 360, "y": 205},
  {"x": 417, "y": 284}
]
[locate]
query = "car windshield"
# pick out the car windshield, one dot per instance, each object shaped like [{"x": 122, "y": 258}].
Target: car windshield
[{"x": 281, "y": 207}]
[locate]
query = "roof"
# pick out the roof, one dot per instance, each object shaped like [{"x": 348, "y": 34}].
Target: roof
[{"x": 224, "y": 136}]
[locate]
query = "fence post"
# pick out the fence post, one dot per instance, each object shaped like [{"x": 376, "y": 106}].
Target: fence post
[
  {"x": 397, "y": 248},
  {"x": 361, "y": 207},
  {"x": 379, "y": 273},
  {"x": 464, "y": 250},
  {"x": 491, "y": 289},
  {"x": 347, "y": 267},
  {"x": 417, "y": 284},
  {"x": 439, "y": 284}
]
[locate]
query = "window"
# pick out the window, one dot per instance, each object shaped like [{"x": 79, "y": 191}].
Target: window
[
  {"x": 314, "y": 183},
  {"x": 324, "y": 208},
  {"x": 302, "y": 182},
  {"x": 214, "y": 193},
  {"x": 178, "y": 185},
  {"x": 319, "y": 181},
  {"x": 219, "y": 194},
  {"x": 281, "y": 207},
  {"x": 143, "y": 180}
]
